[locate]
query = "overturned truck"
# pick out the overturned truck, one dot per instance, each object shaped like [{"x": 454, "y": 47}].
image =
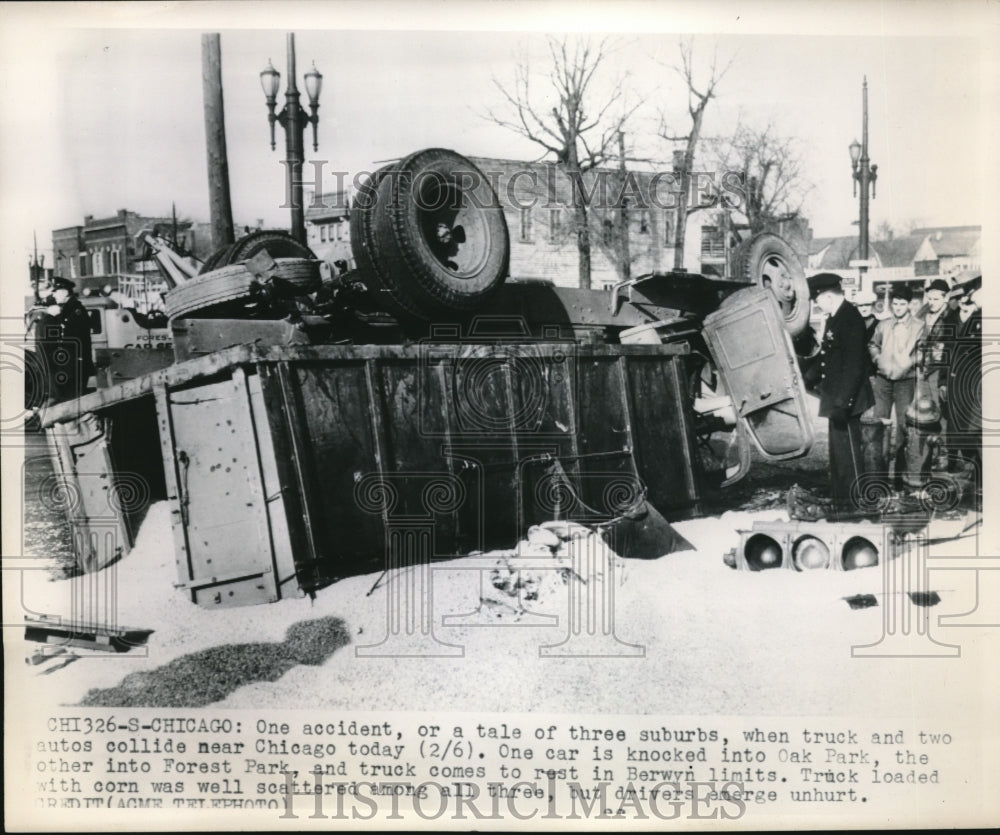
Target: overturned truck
[{"x": 317, "y": 425}]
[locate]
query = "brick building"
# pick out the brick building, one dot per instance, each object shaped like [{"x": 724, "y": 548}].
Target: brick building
[
  {"x": 537, "y": 202},
  {"x": 107, "y": 246},
  {"x": 327, "y": 219}
]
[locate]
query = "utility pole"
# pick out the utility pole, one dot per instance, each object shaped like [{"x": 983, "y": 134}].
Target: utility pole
[{"x": 220, "y": 204}]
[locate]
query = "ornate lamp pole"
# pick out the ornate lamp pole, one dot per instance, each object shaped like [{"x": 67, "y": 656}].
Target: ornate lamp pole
[
  {"x": 864, "y": 174},
  {"x": 294, "y": 120}
]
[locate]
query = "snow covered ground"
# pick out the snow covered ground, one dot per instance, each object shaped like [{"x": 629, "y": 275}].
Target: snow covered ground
[{"x": 713, "y": 640}]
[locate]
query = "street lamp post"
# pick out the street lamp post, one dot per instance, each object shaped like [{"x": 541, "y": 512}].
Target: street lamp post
[
  {"x": 294, "y": 120},
  {"x": 864, "y": 174}
]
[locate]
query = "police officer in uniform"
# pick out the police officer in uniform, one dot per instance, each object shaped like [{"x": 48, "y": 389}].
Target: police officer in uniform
[
  {"x": 841, "y": 380},
  {"x": 66, "y": 348}
]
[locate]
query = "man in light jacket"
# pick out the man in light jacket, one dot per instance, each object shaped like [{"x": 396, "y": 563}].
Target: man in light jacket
[{"x": 893, "y": 348}]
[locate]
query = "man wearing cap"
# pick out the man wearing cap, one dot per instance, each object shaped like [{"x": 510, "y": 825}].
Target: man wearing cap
[
  {"x": 865, "y": 303},
  {"x": 940, "y": 324},
  {"x": 893, "y": 349},
  {"x": 872, "y": 433},
  {"x": 843, "y": 386},
  {"x": 68, "y": 327}
]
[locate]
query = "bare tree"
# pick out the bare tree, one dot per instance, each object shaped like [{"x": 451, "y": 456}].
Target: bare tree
[
  {"x": 698, "y": 98},
  {"x": 884, "y": 232},
  {"x": 769, "y": 171},
  {"x": 570, "y": 118}
]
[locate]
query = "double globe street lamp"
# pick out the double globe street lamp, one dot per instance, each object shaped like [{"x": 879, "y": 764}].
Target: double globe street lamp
[{"x": 294, "y": 120}]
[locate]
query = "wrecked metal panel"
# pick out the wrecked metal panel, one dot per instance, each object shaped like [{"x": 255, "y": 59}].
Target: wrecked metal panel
[
  {"x": 755, "y": 359},
  {"x": 663, "y": 432},
  {"x": 92, "y": 491},
  {"x": 220, "y": 495}
]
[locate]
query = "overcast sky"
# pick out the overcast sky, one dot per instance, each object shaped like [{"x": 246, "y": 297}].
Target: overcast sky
[{"x": 105, "y": 111}]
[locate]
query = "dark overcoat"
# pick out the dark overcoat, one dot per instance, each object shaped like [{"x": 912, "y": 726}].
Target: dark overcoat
[
  {"x": 965, "y": 379},
  {"x": 844, "y": 363}
]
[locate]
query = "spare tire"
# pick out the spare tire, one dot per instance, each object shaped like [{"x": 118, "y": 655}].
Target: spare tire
[
  {"x": 768, "y": 261},
  {"x": 219, "y": 289},
  {"x": 276, "y": 242},
  {"x": 435, "y": 241}
]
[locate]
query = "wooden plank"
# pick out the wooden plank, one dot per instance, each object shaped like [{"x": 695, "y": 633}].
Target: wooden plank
[
  {"x": 304, "y": 458},
  {"x": 257, "y": 481},
  {"x": 284, "y": 506},
  {"x": 182, "y": 553}
]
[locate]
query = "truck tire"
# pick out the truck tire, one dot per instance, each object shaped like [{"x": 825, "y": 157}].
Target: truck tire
[
  {"x": 225, "y": 284},
  {"x": 277, "y": 243},
  {"x": 767, "y": 260},
  {"x": 362, "y": 211},
  {"x": 217, "y": 289},
  {"x": 436, "y": 237},
  {"x": 216, "y": 259}
]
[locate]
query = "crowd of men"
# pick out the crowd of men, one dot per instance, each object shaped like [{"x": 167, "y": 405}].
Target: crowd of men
[{"x": 902, "y": 390}]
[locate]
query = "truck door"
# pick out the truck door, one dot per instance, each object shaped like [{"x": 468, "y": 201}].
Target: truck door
[{"x": 754, "y": 356}]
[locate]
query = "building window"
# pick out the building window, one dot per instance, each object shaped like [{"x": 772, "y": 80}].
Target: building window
[
  {"x": 83, "y": 264},
  {"x": 668, "y": 239},
  {"x": 339, "y": 229},
  {"x": 644, "y": 222},
  {"x": 322, "y": 232},
  {"x": 116, "y": 262},
  {"x": 98, "y": 262},
  {"x": 526, "y": 224},
  {"x": 713, "y": 244},
  {"x": 555, "y": 226},
  {"x": 608, "y": 231}
]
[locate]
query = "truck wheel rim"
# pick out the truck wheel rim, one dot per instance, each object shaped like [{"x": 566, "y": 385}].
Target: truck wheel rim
[
  {"x": 776, "y": 271},
  {"x": 456, "y": 233}
]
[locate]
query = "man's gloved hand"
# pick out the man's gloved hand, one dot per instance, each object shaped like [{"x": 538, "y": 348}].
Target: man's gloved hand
[{"x": 839, "y": 415}]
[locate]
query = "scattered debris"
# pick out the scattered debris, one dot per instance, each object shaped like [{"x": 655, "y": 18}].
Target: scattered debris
[
  {"x": 578, "y": 553},
  {"x": 924, "y": 598},
  {"x": 861, "y": 601},
  {"x": 53, "y": 629},
  {"x": 806, "y": 506}
]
